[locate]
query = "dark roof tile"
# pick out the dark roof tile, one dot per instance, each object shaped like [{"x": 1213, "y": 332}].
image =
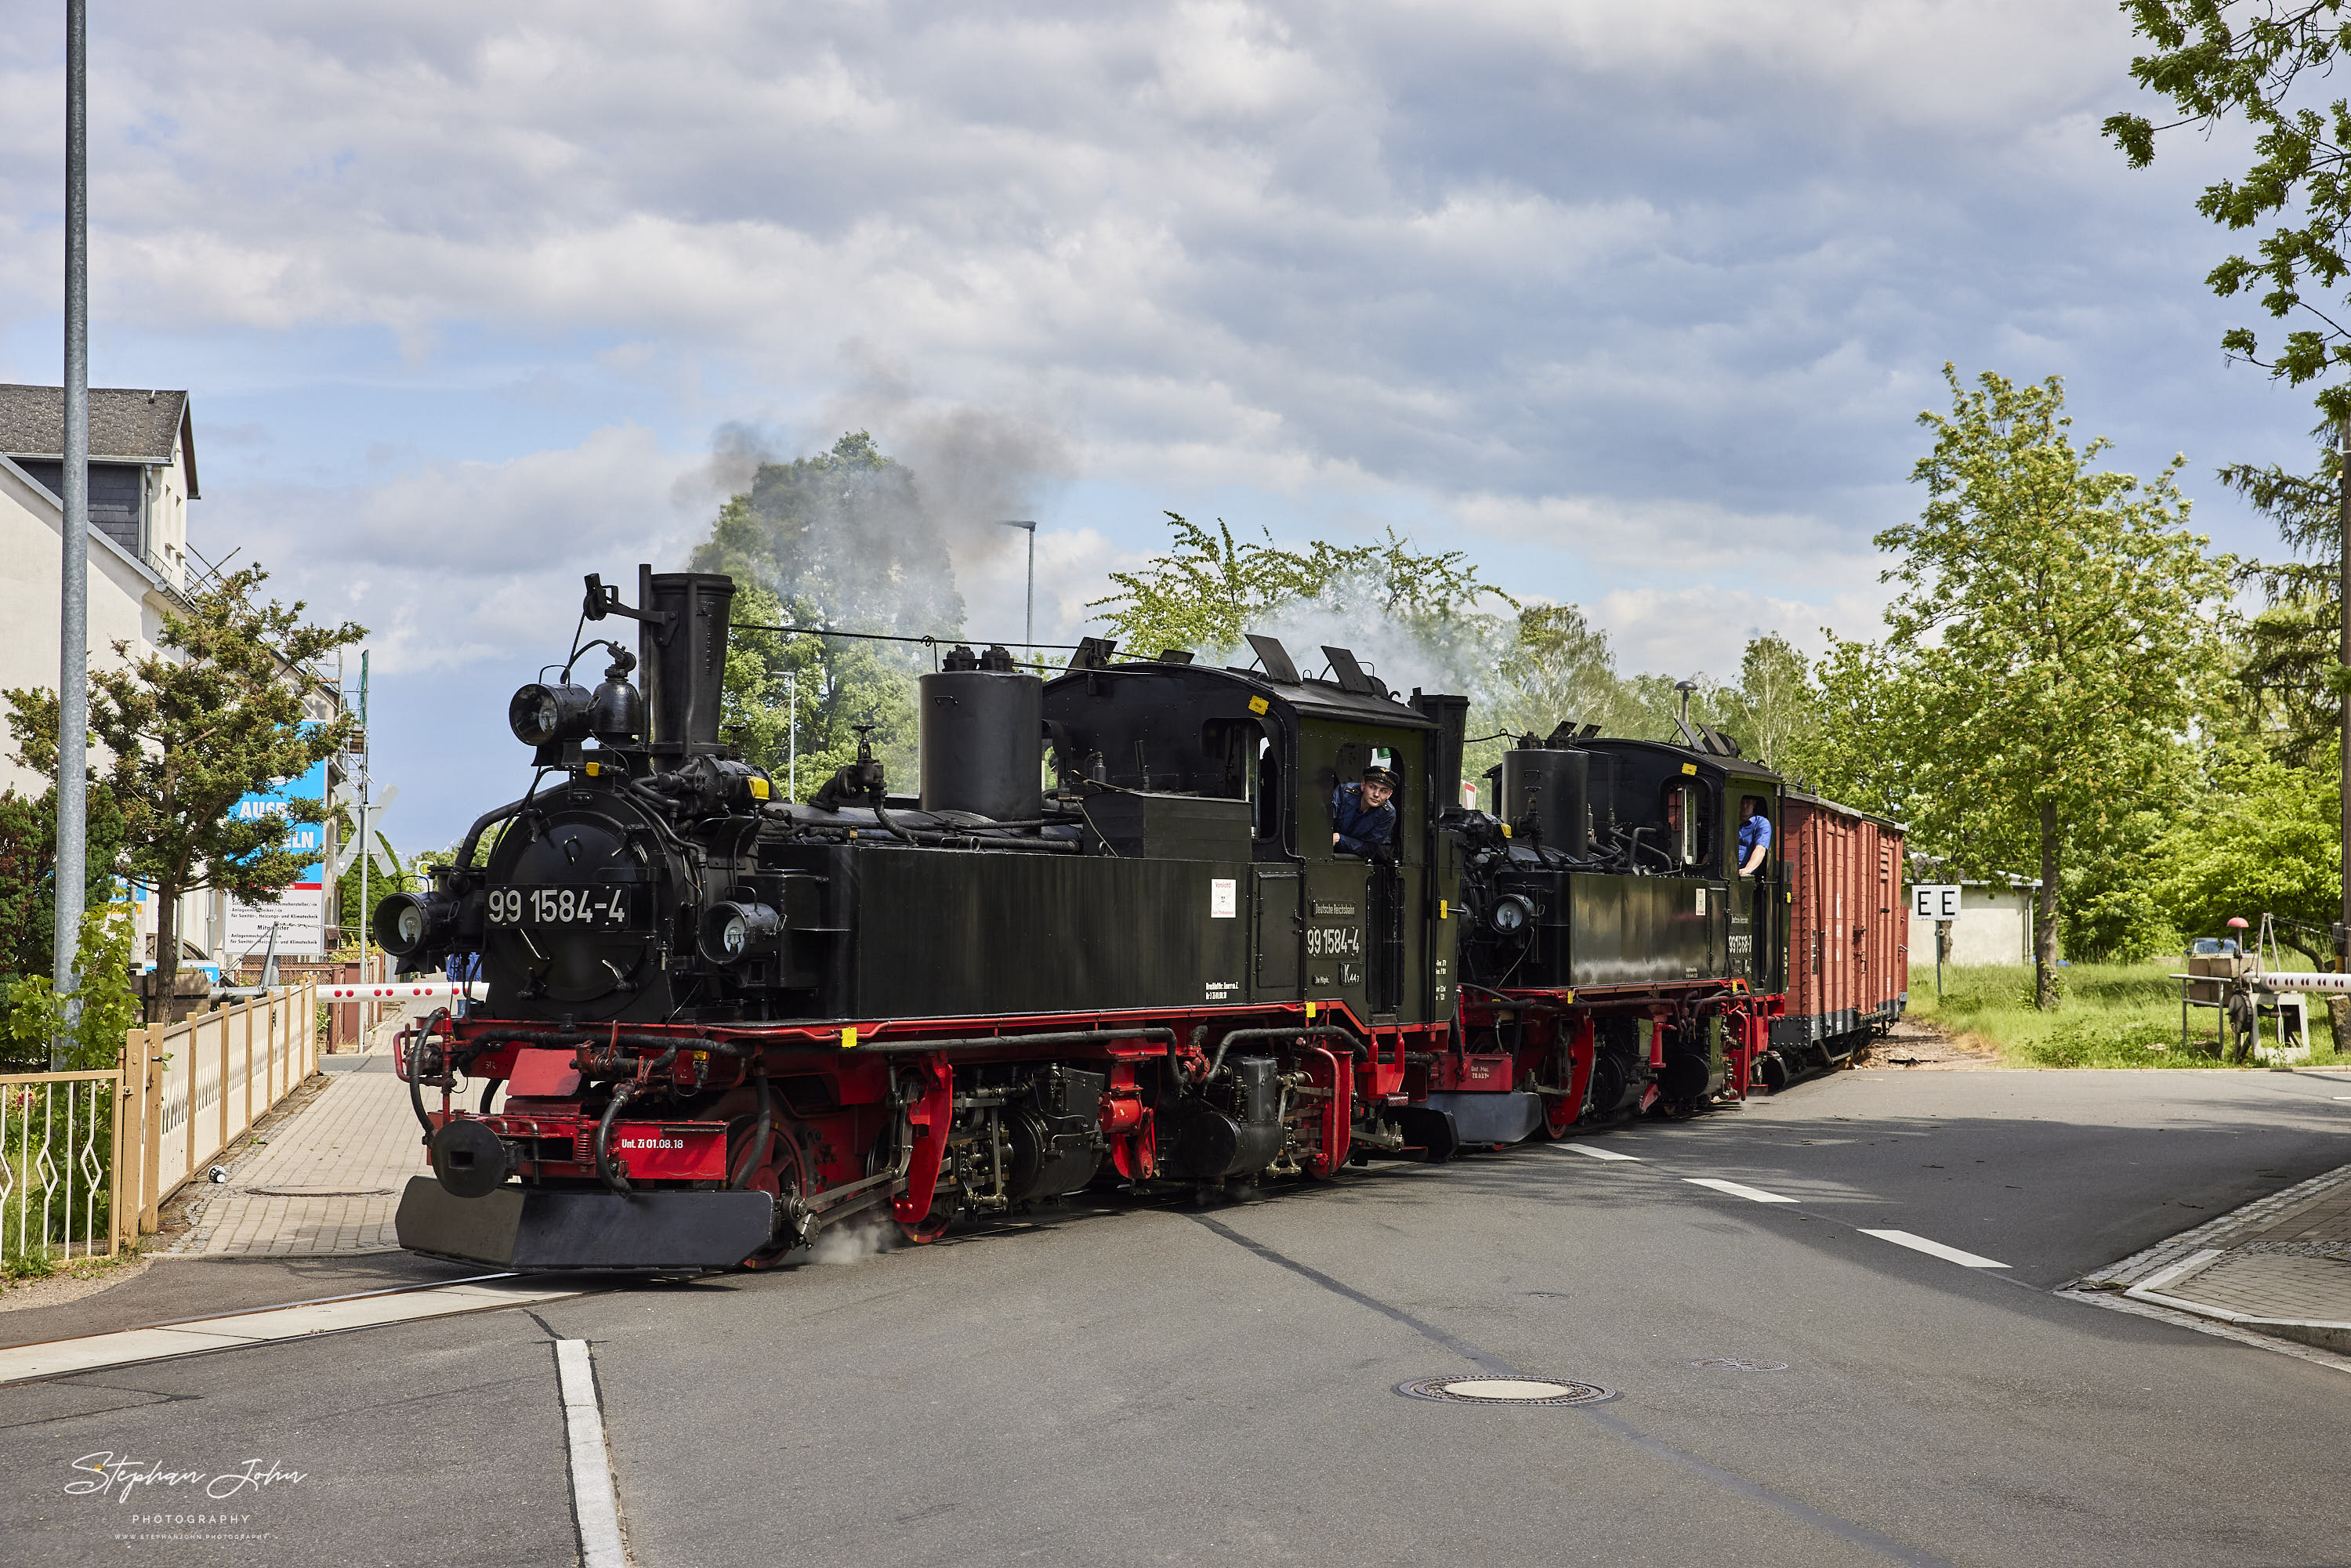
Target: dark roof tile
[{"x": 124, "y": 423}]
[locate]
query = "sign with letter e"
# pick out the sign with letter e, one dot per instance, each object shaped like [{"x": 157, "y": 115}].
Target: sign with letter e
[{"x": 1933, "y": 901}]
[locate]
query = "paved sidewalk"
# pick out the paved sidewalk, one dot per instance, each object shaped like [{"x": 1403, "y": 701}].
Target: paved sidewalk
[
  {"x": 327, "y": 1180},
  {"x": 2280, "y": 1267}
]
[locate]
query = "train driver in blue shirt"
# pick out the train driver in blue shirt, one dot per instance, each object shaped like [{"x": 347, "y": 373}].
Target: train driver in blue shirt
[
  {"x": 1754, "y": 835},
  {"x": 1363, "y": 816}
]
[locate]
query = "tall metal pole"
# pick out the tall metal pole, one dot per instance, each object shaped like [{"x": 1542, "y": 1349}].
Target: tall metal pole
[
  {"x": 2342, "y": 479},
  {"x": 367, "y": 921},
  {"x": 792, "y": 766},
  {"x": 73, "y": 597},
  {"x": 1029, "y": 629}
]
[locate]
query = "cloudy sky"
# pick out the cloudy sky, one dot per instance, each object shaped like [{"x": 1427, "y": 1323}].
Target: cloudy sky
[{"x": 1635, "y": 304}]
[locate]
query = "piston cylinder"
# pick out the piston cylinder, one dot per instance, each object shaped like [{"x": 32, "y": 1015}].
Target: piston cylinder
[{"x": 983, "y": 739}]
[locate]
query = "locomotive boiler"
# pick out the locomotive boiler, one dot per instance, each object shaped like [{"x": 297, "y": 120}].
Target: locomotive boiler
[{"x": 1108, "y": 940}]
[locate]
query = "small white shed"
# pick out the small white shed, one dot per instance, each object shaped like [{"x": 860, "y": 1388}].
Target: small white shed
[{"x": 1994, "y": 926}]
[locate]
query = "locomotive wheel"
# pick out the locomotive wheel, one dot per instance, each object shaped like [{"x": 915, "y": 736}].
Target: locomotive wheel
[
  {"x": 782, "y": 1177},
  {"x": 1558, "y": 1114},
  {"x": 932, "y": 1226}
]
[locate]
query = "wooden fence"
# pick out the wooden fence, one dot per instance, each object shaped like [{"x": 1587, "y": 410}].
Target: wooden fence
[{"x": 89, "y": 1159}]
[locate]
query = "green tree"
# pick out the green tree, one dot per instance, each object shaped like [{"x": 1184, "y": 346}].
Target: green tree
[
  {"x": 28, "y": 859},
  {"x": 2266, "y": 65},
  {"x": 1209, "y": 589},
  {"x": 836, "y": 684},
  {"x": 104, "y": 1007},
  {"x": 2055, "y": 633},
  {"x": 2262, "y": 840},
  {"x": 217, "y": 712},
  {"x": 1774, "y": 711},
  {"x": 2287, "y": 694},
  {"x": 841, "y": 539}
]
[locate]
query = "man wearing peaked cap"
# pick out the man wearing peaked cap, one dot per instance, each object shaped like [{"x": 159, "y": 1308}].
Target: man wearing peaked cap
[{"x": 1363, "y": 816}]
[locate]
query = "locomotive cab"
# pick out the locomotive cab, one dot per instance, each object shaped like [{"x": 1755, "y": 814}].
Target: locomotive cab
[{"x": 1163, "y": 744}]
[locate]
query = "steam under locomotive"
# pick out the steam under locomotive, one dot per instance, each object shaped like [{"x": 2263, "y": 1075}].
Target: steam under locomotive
[{"x": 1109, "y": 940}]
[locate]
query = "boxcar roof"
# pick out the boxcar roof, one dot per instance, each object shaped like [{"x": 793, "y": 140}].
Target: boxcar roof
[{"x": 1841, "y": 807}]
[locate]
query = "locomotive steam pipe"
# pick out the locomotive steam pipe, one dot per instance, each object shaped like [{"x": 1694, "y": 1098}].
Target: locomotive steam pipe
[
  {"x": 614, "y": 1176},
  {"x": 756, "y": 1152},
  {"x": 1308, "y": 1032}
]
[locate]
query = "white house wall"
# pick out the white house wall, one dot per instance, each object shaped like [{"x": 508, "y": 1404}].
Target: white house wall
[
  {"x": 125, "y": 605},
  {"x": 1994, "y": 926}
]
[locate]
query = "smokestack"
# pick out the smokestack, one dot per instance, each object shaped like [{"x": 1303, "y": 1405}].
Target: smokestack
[{"x": 684, "y": 655}]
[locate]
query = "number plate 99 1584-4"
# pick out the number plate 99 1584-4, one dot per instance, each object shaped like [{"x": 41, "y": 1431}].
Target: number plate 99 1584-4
[{"x": 603, "y": 908}]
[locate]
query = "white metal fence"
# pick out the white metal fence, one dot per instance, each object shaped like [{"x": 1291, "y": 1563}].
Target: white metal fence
[
  {"x": 57, "y": 1158},
  {"x": 89, "y": 1159}
]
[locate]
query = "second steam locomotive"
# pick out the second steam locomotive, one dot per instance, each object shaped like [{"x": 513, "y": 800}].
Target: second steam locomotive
[{"x": 1113, "y": 937}]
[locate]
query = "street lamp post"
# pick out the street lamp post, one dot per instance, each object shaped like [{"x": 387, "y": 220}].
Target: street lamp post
[
  {"x": 73, "y": 592},
  {"x": 1029, "y": 629}
]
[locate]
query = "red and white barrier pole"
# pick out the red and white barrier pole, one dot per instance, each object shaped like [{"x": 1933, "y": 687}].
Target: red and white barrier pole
[{"x": 472, "y": 990}]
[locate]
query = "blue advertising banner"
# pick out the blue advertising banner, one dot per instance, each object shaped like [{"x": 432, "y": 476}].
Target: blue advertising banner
[
  {"x": 310, "y": 839},
  {"x": 295, "y": 924}
]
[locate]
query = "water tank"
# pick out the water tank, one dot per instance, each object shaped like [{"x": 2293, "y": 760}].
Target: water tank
[
  {"x": 983, "y": 743},
  {"x": 1542, "y": 796}
]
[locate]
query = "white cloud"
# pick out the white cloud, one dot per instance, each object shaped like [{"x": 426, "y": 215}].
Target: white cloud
[
  {"x": 1704, "y": 629},
  {"x": 462, "y": 564},
  {"x": 1642, "y": 297}
]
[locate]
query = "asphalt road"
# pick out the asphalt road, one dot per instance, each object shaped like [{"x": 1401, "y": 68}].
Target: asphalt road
[{"x": 1208, "y": 1386}]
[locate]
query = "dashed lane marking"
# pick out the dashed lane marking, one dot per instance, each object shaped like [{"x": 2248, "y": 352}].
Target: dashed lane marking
[
  {"x": 1597, "y": 1152},
  {"x": 1934, "y": 1249},
  {"x": 54, "y": 1358},
  {"x": 1738, "y": 1190},
  {"x": 593, "y": 1504}
]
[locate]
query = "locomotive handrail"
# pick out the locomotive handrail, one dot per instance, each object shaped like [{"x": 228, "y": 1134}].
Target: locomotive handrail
[{"x": 975, "y": 1041}]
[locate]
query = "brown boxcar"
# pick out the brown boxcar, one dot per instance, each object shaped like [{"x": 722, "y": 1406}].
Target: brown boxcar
[{"x": 1848, "y": 929}]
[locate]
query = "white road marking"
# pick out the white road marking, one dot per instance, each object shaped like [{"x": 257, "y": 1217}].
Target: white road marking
[
  {"x": 593, "y": 1502},
  {"x": 1737, "y": 1190},
  {"x": 24, "y": 1363},
  {"x": 1597, "y": 1152},
  {"x": 1934, "y": 1249}
]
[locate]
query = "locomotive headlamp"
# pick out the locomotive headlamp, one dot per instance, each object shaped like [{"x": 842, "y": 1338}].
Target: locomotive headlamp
[
  {"x": 540, "y": 714},
  {"x": 733, "y": 932},
  {"x": 1511, "y": 915},
  {"x": 408, "y": 923}
]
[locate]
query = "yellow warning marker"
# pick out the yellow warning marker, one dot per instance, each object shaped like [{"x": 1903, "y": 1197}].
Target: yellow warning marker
[{"x": 849, "y": 1037}]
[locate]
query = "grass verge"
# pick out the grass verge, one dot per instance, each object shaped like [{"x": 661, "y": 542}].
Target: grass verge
[
  {"x": 38, "y": 1264},
  {"x": 2111, "y": 1015}
]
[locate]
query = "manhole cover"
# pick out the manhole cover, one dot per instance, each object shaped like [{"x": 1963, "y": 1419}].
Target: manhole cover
[
  {"x": 1739, "y": 1363},
  {"x": 1505, "y": 1391}
]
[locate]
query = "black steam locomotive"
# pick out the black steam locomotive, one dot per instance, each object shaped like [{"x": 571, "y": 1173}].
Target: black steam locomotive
[{"x": 1111, "y": 939}]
